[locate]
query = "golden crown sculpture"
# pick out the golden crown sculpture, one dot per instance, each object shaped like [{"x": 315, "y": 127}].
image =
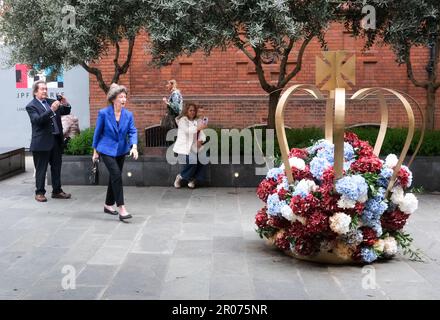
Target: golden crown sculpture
[
  {"x": 332, "y": 73},
  {"x": 335, "y": 72}
]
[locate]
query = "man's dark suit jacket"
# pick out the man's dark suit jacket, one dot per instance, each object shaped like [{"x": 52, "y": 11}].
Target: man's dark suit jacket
[{"x": 42, "y": 126}]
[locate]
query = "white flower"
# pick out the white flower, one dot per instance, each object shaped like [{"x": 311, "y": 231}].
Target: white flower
[
  {"x": 390, "y": 246},
  {"x": 379, "y": 245},
  {"x": 409, "y": 203},
  {"x": 346, "y": 203},
  {"x": 287, "y": 212},
  {"x": 363, "y": 198},
  {"x": 398, "y": 195},
  {"x": 340, "y": 223},
  {"x": 295, "y": 162},
  {"x": 307, "y": 186},
  {"x": 391, "y": 161}
]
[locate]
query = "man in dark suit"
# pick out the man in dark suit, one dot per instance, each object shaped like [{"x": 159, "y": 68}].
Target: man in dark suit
[{"x": 47, "y": 139}]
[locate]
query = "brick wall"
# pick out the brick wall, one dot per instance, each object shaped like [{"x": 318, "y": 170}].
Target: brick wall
[{"x": 225, "y": 84}]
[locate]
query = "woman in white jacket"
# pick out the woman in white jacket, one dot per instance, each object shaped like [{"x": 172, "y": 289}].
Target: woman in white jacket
[{"x": 189, "y": 140}]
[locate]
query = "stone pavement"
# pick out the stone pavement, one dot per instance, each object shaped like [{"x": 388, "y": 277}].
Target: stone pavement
[{"x": 182, "y": 244}]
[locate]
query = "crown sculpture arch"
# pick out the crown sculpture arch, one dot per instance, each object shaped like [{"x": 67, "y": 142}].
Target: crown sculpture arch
[{"x": 336, "y": 201}]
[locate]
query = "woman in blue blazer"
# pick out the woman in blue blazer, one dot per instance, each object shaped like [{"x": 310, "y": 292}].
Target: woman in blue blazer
[{"x": 115, "y": 136}]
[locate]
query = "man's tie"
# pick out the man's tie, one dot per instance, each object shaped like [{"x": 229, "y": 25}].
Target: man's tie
[{"x": 56, "y": 129}]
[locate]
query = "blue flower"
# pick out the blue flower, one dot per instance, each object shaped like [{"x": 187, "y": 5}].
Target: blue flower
[
  {"x": 385, "y": 176},
  {"x": 353, "y": 187},
  {"x": 368, "y": 255},
  {"x": 274, "y": 173},
  {"x": 318, "y": 166},
  {"x": 274, "y": 204},
  {"x": 348, "y": 151},
  {"x": 376, "y": 205}
]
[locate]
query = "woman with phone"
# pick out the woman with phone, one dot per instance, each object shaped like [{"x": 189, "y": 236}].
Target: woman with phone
[
  {"x": 115, "y": 136},
  {"x": 190, "y": 138}
]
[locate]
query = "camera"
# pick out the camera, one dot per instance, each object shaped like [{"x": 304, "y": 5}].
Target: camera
[
  {"x": 59, "y": 97},
  {"x": 205, "y": 120}
]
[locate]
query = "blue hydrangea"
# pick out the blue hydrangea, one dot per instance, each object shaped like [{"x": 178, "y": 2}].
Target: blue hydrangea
[
  {"x": 284, "y": 183},
  {"x": 326, "y": 150},
  {"x": 274, "y": 204},
  {"x": 354, "y": 237},
  {"x": 385, "y": 176},
  {"x": 368, "y": 254},
  {"x": 300, "y": 190},
  {"x": 318, "y": 145},
  {"x": 347, "y": 164},
  {"x": 274, "y": 173},
  {"x": 353, "y": 187},
  {"x": 376, "y": 205},
  {"x": 348, "y": 151},
  {"x": 318, "y": 166},
  {"x": 377, "y": 227}
]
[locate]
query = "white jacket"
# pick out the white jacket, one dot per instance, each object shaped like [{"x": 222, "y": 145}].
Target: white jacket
[{"x": 187, "y": 136}]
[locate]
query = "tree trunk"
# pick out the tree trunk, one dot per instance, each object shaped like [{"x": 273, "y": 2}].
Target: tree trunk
[
  {"x": 273, "y": 102},
  {"x": 430, "y": 107}
]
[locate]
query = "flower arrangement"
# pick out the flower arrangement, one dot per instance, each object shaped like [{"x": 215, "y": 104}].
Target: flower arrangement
[{"x": 353, "y": 219}]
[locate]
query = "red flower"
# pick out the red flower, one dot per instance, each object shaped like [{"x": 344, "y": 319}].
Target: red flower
[
  {"x": 329, "y": 200},
  {"x": 403, "y": 177},
  {"x": 302, "y": 174},
  {"x": 317, "y": 223},
  {"x": 282, "y": 194},
  {"x": 352, "y": 139},
  {"x": 261, "y": 218},
  {"x": 278, "y": 222},
  {"x": 299, "y": 153},
  {"x": 357, "y": 210},
  {"x": 328, "y": 177},
  {"x": 282, "y": 242},
  {"x": 369, "y": 236},
  {"x": 266, "y": 188},
  {"x": 364, "y": 149},
  {"x": 394, "y": 221},
  {"x": 296, "y": 230},
  {"x": 367, "y": 164},
  {"x": 305, "y": 246},
  {"x": 304, "y": 206}
]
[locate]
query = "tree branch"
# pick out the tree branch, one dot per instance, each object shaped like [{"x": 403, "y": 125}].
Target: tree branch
[
  {"x": 98, "y": 75},
  {"x": 120, "y": 70},
  {"x": 298, "y": 62},
  {"x": 260, "y": 72},
  {"x": 283, "y": 64},
  {"x": 410, "y": 74}
]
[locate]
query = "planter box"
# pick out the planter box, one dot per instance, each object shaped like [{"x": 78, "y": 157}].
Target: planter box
[
  {"x": 12, "y": 162},
  {"x": 155, "y": 171}
]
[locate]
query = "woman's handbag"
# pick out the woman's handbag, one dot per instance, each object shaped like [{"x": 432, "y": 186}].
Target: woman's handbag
[
  {"x": 168, "y": 121},
  {"x": 94, "y": 172}
]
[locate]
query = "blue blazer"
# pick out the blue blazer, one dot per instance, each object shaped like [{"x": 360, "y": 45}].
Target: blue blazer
[{"x": 111, "y": 139}]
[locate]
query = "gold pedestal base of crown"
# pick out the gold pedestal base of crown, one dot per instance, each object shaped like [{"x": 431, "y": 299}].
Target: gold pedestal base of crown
[{"x": 336, "y": 71}]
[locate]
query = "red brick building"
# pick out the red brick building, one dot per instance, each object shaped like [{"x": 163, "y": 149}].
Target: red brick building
[{"x": 226, "y": 86}]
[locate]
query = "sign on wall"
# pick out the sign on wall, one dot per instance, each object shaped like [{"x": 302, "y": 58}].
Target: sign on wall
[{"x": 16, "y": 93}]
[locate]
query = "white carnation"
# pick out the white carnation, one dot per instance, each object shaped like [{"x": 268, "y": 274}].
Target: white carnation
[
  {"x": 409, "y": 203},
  {"x": 398, "y": 195},
  {"x": 340, "y": 223},
  {"x": 287, "y": 212},
  {"x": 379, "y": 245},
  {"x": 295, "y": 162},
  {"x": 346, "y": 203},
  {"x": 390, "y": 246},
  {"x": 391, "y": 161}
]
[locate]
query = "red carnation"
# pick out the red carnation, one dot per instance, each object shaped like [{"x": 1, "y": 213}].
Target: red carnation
[
  {"x": 329, "y": 199},
  {"x": 367, "y": 164},
  {"x": 261, "y": 218},
  {"x": 328, "y": 176},
  {"x": 357, "y": 210},
  {"x": 394, "y": 221},
  {"x": 281, "y": 241},
  {"x": 299, "y": 153},
  {"x": 369, "y": 236},
  {"x": 266, "y": 188},
  {"x": 278, "y": 222},
  {"x": 317, "y": 223}
]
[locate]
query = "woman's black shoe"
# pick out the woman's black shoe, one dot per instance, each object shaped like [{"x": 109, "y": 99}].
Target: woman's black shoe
[
  {"x": 112, "y": 212},
  {"x": 128, "y": 216}
]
